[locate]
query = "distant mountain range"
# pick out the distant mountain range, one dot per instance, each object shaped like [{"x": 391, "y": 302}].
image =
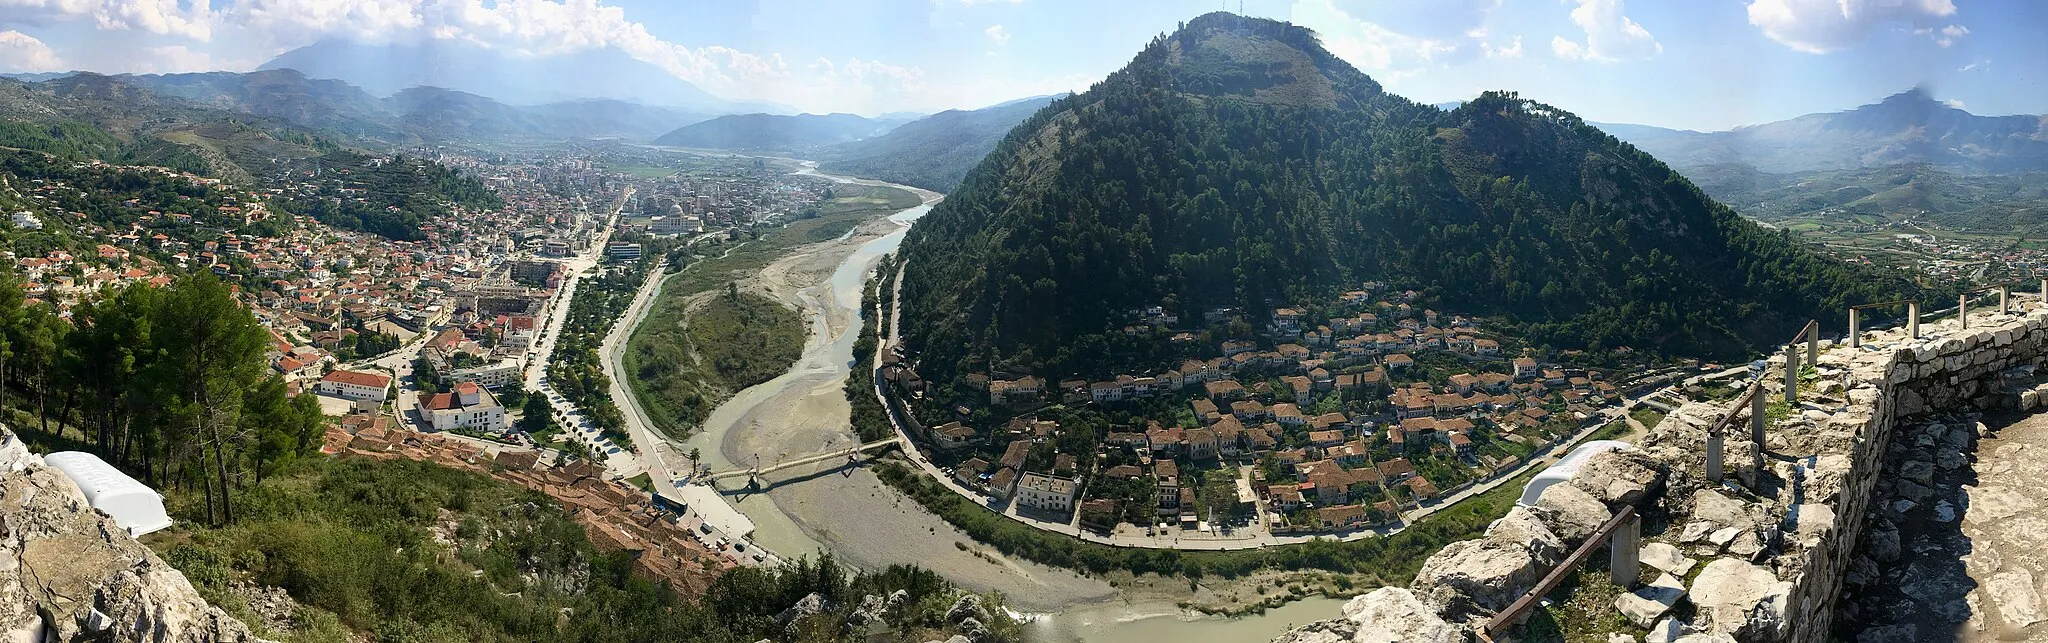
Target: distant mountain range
[
  {"x": 386, "y": 69},
  {"x": 1908, "y": 127},
  {"x": 418, "y": 114},
  {"x": 1906, "y": 157},
  {"x": 934, "y": 152},
  {"x": 799, "y": 133}
]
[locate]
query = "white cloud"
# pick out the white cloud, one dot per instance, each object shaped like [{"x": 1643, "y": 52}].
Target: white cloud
[
  {"x": 1510, "y": 51},
  {"x": 970, "y": 3},
  {"x": 1955, "y": 102},
  {"x": 1390, "y": 55},
  {"x": 997, "y": 34},
  {"x": 1949, "y": 34},
  {"x": 20, "y": 52},
  {"x": 1982, "y": 65},
  {"x": 1822, "y": 26},
  {"x": 190, "y": 19},
  {"x": 1611, "y": 36}
]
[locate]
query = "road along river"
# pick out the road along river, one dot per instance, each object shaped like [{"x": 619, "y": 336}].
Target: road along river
[{"x": 861, "y": 521}]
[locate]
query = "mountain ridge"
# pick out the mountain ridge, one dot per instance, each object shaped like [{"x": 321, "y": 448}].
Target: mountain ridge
[{"x": 934, "y": 152}]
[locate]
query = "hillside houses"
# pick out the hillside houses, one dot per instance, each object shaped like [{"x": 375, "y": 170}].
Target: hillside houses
[{"x": 1349, "y": 419}]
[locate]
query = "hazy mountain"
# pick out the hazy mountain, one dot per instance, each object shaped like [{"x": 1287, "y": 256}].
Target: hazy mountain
[
  {"x": 384, "y": 70},
  {"x": 1236, "y": 163},
  {"x": 117, "y": 120},
  {"x": 1908, "y": 127},
  {"x": 774, "y": 132},
  {"x": 934, "y": 152},
  {"x": 286, "y": 94},
  {"x": 1908, "y": 157}
]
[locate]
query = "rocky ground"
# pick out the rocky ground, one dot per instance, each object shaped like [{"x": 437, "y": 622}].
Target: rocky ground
[
  {"x": 67, "y": 573},
  {"x": 1957, "y": 550}
]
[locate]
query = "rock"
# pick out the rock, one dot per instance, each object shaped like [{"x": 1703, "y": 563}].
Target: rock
[
  {"x": 1918, "y": 471},
  {"x": 1896, "y": 633},
  {"x": 1721, "y": 537},
  {"x": 1707, "y": 637},
  {"x": 1331, "y": 631},
  {"x": 1883, "y": 543},
  {"x": 1746, "y": 544},
  {"x": 968, "y": 606},
  {"x": 1665, "y": 631},
  {"x": 1619, "y": 477},
  {"x": 1665, "y": 558},
  {"x": 1485, "y": 575},
  {"x": 1902, "y": 506},
  {"x": 974, "y": 631},
  {"x": 898, "y": 598},
  {"x": 811, "y": 604},
  {"x": 1717, "y": 509},
  {"x": 1644, "y": 606},
  {"x": 68, "y": 572},
  {"x": 1913, "y": 491},
  {"x": 1695, "y": 531},
  {"x": 1618, "y": 637},
  {"x": 1950, "y": 460},
  {"x": 1811, "y": 519},
  {"x": 1742, "y": 600},
  {"x": 871, "y": 610},
  {"x": 1861, "y": 572},
  {"x": 1944, "y": 512},
  {"x": 2012, "y": 594},
  {"x": 1571, "y": 513},
  {"x": 1394, "y": 614}
]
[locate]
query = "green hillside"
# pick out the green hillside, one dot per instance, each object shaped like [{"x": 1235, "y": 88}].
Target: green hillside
[{"x": 1236, "y": 163}]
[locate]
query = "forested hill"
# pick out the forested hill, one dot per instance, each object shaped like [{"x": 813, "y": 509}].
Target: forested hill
[{"x": 1235, "y": 162}]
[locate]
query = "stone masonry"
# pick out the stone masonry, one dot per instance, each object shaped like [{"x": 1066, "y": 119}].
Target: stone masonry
[{"x": 1760, "y": 555}]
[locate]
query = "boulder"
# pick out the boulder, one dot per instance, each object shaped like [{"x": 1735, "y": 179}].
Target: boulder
[
  {"x": 1644, "y": 606},
  {"x": 968, "y": 606},
  {"x": 811, "y": 604},
  {"x": 1571, "y": 513},
  {"x": 1619, "y": 477},
  {"x": 1665, "y": 631},
  {"x": 1883, "y": 543},
  {"x": 1393, "y": 615},
  {"x": 1665, "y": 558},
  {"x": 2012, "y": 594},
  {"x": 1895, "y": 633},
  {"x": 68, "y": 573},
  {"x": 871, "y": 610},
  {"x": 1918, "y": 471},
  {"x": 1486, "y": 574},
  {"x": 1742, "y": 600},
  {"x": 1717, "y": 509}
]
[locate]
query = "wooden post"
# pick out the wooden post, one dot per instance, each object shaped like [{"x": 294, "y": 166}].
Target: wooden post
[
  {"x": 1714, "y": 448},
  {"x": 1756, "y": 426},
  {"x": 1624, "y": 551},
  {"x": 1913, "y": 318},
  {"x": 2044, "y": 293},
  {"x": 1963, "y": 310},
  {"x": 1813, "y": 342},
  {"x": 1791, "y": 373},
  {"x": 1854, "y": 341},
  {"x": 2004, "y": 300}
]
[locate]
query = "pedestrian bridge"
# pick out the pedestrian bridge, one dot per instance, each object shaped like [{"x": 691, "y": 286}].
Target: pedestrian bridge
[{"x": 851, "y": 455}]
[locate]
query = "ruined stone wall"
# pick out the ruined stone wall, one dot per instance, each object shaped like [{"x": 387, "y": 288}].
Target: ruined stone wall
[{"x": 1774, "y": 542}]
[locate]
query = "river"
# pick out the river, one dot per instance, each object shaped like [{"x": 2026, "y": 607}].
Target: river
[{"x": 859, "y": 520}]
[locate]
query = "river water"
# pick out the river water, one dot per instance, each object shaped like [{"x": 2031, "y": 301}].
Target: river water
[{"x": 824, "y": 366}]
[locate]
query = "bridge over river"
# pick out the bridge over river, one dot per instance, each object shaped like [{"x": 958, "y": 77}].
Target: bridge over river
[{"x": 851, "y": 455}]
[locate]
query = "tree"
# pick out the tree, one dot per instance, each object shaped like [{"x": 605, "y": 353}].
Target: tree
[
  {"x": 534, "y": 414},
  {"x": 211, "y": 354}
]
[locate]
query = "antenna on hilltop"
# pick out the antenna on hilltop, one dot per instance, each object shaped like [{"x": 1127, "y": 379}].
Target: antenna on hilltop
[{"x": 1240, "y": 7}]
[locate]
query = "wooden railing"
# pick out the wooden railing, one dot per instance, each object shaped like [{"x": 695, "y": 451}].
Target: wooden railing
[{"x": 1621, "y": 533}]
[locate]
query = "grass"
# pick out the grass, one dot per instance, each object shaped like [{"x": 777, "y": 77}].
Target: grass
[
  {"x": 643, "y": 481},
  {"x": 1391, "y": 560},
  {"x": 1581, "y": 610},
  {"x": 681, "y": 364},
  {"x": 1649, "y": 417},
  {"x": 731, "y": 341},
  {"x": 1613, "y": 431}
]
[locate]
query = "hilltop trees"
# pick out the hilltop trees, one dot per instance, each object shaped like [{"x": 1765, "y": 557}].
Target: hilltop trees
[{"x": 170, "y": 384}]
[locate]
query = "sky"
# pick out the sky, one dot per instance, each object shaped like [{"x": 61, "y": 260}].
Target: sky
[{"x": 1691, "y": 64}]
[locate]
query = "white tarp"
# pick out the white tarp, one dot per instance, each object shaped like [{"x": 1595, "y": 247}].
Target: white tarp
[
  {"x": 1565, "y": 467},
  {"x": 134, "y": 506}
]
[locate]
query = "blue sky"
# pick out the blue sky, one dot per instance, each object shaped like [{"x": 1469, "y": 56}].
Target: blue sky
[{"x": 1698, "y": 64}]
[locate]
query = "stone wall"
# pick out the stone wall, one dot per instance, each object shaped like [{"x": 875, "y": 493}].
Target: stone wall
[{"x": 1765, "y": 550}]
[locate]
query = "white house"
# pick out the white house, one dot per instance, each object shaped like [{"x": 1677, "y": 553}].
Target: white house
[
  {"x": 354, "y": 385},
  {"x": 493, "y": 375},
  {"x": 1050, "y": 493},
  {"x": 468, "y": 406},
  {"x": 27, "y": 221}
]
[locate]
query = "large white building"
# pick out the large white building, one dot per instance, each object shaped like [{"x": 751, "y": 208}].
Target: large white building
[
  {"x": 1050, "y": 493},
  {"x": 491, "y": 375},
  {"x": 353, "y": 385},
  {"x": 675, "y": 224},
  {"x": 468, "y": 406}
]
